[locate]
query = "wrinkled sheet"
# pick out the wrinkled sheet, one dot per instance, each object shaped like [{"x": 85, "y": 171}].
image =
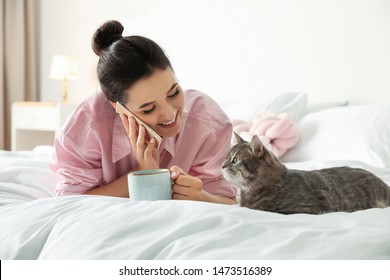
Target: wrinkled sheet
[{"x": 34, "y": 224}]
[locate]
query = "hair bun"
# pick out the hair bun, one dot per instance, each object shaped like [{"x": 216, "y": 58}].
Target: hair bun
[{"x": 105, "y": 35}]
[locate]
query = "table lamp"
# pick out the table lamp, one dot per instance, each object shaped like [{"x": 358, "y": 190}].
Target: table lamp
[{"x": 64, "y": 67}]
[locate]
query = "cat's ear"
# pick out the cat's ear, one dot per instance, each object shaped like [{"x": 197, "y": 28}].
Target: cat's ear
[
  {"x": 257, "y": 146},
  {"x": 238, "y": 138}
]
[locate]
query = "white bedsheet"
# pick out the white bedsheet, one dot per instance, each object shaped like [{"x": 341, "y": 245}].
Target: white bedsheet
[{"x": 36, "y": 225}]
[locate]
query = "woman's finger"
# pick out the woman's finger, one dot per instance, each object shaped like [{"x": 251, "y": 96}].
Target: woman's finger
[
  {"x": 141, "y": 141},
  {"x": 182, "y": 190},
  {"x": 133, "y": 130},
  {"x": 126, "y": 123},
  {"x": 178, "y": 196},
  {"x": 176, "y": 171},
  {"x": 187, "y": 180},
  {"x": 149, "y": 149}
]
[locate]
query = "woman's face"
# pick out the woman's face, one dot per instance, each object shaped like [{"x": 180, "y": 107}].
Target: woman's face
[{"x": 158, "y": 100}]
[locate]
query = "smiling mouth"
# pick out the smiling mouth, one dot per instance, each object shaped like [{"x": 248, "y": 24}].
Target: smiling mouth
[{"x": 170, "y": 123}]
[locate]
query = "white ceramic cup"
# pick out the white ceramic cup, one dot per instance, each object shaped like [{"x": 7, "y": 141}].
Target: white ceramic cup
[{"x": 152, "y": 184}]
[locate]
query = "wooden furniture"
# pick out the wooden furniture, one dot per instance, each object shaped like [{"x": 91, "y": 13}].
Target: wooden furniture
[{"x": 35, "y": 123}]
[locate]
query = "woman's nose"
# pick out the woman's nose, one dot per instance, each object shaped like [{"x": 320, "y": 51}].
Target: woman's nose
[{"x": 167, "y": 113}]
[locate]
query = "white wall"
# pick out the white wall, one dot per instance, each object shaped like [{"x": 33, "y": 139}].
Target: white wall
[{"x": 331, "y": 49}]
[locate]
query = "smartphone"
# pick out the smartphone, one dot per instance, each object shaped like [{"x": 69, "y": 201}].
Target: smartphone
[{"x": 122, "y": 109}]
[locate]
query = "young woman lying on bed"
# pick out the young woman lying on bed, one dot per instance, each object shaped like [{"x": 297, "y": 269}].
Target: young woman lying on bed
[{"x": 97, "y": 148}]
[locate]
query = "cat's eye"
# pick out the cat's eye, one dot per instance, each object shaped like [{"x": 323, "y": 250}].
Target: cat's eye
[{"x": 235, "y": 160}]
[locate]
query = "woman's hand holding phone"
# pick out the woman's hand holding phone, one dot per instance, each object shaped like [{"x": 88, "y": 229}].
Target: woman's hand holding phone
[
  {"x": 122, "y": 109},
  {"x": 145, "y": 151}
]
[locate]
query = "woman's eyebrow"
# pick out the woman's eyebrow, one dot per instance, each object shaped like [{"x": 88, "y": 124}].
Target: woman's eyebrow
[
  {"x": 149, "y": 103},
  {"x": 172, "y": 87},
  {"x": 146, "y": 104}
]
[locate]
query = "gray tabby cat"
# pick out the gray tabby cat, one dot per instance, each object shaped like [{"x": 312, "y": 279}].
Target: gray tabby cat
[{"x": 266, "y": 184}]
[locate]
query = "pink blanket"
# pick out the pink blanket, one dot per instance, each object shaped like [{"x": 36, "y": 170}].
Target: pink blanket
[{"x": 277, "y": 132}]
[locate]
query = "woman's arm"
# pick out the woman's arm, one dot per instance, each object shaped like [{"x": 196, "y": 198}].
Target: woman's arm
[
  {"x": 146, "y": 154},
  {"x": 187, "y": 187},
  {"x": 219, "y": 199},
  {"x": 116, "y": 188}
]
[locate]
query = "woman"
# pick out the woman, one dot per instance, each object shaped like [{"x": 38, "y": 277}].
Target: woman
[{"x": 97, "y": 148}]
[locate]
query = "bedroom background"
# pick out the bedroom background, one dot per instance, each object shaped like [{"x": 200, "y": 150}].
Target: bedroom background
[
  {"x": 243, "y": 51},
  {"x": 332, "y": 50}
]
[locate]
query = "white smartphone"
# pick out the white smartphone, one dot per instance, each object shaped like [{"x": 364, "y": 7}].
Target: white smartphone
[{"x": 122, "y": 109}]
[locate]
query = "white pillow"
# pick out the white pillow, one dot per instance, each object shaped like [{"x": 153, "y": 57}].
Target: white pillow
[
  {"x": 293, "y": 103},
  {"x": 243, "y": 107},
  {"x": 345, "y": 133}
]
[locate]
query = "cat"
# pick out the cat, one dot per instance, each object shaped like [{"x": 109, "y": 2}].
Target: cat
[{"x": 266, "y": 184}]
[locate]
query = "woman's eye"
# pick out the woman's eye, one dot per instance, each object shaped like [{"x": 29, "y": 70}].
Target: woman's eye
[
  {"x": 235, "y": 160},
  {"x": 176, "y": 93},
  {"x": 173, "y": 95},
  {"x": 150, "y": 110}
]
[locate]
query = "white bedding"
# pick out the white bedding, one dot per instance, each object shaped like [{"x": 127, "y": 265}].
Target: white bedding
[{"x": 36, "y": 225}]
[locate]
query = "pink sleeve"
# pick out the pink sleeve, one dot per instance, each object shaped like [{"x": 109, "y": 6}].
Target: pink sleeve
[
  {"x": 208, "y": 163},
  {"x": 77, "y": 166}
]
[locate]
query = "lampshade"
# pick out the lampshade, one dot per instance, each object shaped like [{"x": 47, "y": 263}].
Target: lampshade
[{"x": 64, "y": 66}]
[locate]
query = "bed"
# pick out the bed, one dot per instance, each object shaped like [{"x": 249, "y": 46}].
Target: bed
[{"x": 35, "y": 224}]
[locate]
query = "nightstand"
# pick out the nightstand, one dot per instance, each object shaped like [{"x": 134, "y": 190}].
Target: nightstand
[{"x": 35, "y": 123}]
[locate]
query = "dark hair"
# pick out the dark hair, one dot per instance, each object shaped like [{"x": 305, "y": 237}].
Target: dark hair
[{"x": 124, "y": 60}]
